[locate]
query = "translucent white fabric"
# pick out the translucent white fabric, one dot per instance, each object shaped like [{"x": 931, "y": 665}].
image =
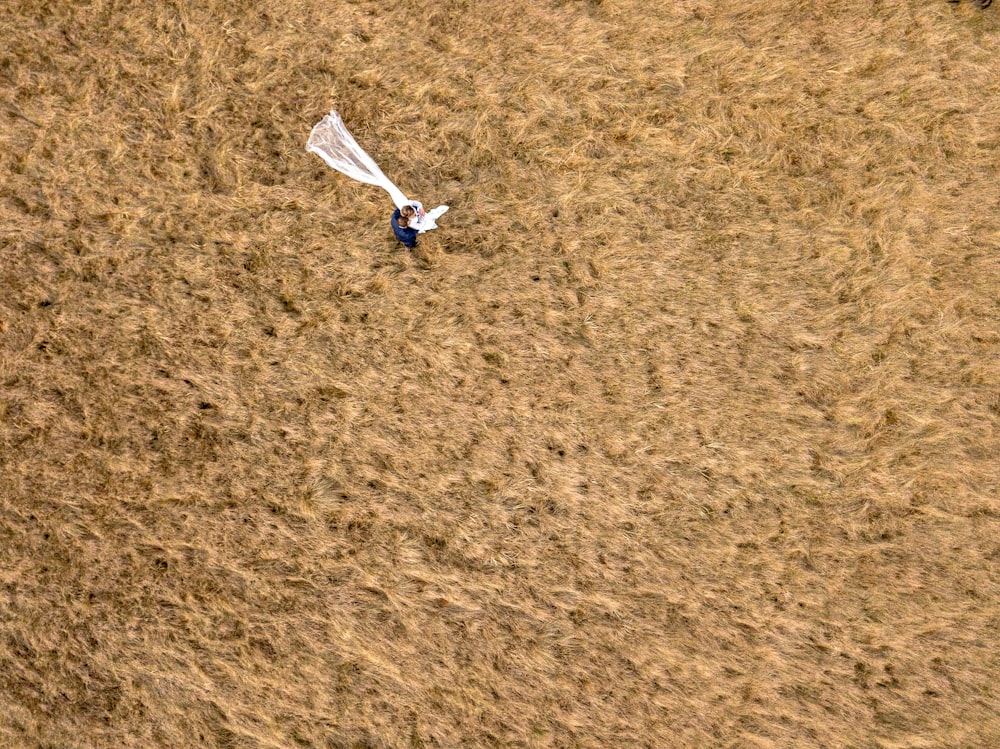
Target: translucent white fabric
[
  {"x": 428, "y": 220},
  {"x": 331, "y": 141}
]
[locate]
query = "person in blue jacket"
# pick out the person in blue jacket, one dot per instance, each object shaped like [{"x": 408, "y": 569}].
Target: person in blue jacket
[{"x": 401, "y": 219}]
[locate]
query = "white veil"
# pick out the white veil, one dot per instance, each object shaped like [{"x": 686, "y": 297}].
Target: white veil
[{"x": 331, "y": 141}]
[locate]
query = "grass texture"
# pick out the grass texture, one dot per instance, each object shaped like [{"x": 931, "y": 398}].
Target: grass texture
[{"x": 682, "y": 431}]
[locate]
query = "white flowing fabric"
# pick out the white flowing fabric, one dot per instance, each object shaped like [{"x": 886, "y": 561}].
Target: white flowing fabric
[
  {"x": 331, "y": 141},
  {"x": 429, "y": 220}
]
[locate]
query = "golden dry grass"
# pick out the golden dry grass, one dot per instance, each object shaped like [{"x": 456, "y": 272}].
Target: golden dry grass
[{"x": 682, "y": 430}]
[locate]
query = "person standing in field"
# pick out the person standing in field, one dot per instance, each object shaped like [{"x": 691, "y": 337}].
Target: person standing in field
[
  {"x": 401, "y": 219},
  {"x": 412, "y": 219}
]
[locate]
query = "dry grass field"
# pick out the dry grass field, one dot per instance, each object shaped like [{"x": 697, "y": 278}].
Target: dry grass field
[{"x": 682, "y": 431}]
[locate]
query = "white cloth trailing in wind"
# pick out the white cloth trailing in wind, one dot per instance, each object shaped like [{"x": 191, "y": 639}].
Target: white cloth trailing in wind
[
  {"x": 426, "y": 220},
  {"x": 331, "y": 141}
]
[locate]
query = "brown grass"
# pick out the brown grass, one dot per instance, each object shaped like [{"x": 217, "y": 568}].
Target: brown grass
[{"x": 683, "y": 431}]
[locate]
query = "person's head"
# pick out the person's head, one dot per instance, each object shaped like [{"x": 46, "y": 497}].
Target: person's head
[{"x": 407, "y": 212}]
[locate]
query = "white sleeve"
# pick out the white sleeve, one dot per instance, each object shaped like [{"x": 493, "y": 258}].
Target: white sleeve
[{"x": 417, "y": 222}]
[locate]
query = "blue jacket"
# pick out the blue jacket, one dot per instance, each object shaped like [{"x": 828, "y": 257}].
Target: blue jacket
[{"x": 406, "y": 235}]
